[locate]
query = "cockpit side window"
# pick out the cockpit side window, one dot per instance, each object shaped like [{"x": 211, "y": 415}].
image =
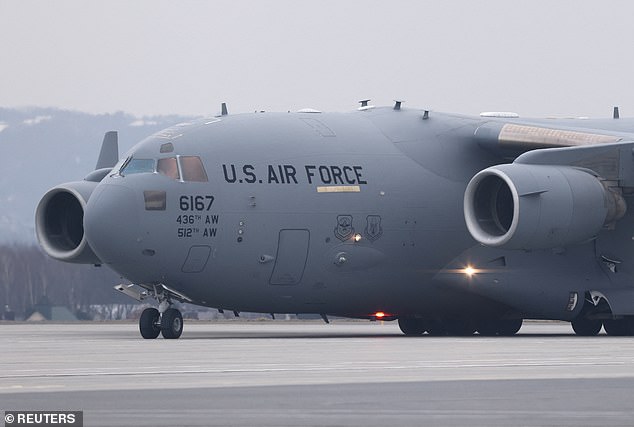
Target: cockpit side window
[
  {"x": 134, "y": 166},
  {"x": 192, "y": 169},
  {"x": 168, "y": 167}
]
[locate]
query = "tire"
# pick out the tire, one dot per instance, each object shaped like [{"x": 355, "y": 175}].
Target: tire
[
  {"x": 616, "y": 328},
  {"x": 488, "y": 327},
  {"x": 411, "y": 327},
  {"x": 171, "y": 324},
  {"x": 148, "y": 323},
  {"x": 586, "y": 327},
  {"x": 460, "y": 328}
]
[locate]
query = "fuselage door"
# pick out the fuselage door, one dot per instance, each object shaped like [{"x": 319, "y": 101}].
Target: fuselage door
[
  {"x": 196, "y": 259},
  {"x": 292, "y": 253}
]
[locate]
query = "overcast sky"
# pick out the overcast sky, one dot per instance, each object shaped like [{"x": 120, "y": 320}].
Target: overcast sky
[{"x": 538, "y": 58}]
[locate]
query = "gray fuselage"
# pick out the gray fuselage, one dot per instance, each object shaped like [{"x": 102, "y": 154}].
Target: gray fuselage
[{"x": 338, "y": 213}]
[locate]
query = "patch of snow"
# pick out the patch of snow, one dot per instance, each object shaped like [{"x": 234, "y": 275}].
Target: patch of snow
[
  {"x": 37, "y": 120},
  {"x": 141, "y": 122},
  {"x": 3, "y": 126}
]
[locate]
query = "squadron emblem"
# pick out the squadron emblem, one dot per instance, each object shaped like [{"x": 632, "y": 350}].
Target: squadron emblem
[
  {"x": 373, "y": 229},
  {"x": 344, "y": 229}
]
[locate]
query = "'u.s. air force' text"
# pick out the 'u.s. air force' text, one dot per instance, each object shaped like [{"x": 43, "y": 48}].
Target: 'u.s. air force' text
[{"x": 289, "y": 174}]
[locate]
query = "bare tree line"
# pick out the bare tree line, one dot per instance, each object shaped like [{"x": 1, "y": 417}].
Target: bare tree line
[{"x": 29, "y": 277}]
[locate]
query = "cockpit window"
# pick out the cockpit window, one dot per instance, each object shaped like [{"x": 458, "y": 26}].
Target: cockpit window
[
  {"x": 179, "y": 168},
  {"x": 168, "y": 167},
  {"x": 137, "y": 166},
  {"x": 192, "y": 169}
]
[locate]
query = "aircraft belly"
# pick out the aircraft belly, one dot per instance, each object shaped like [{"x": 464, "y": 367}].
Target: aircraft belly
[{"x": 614, "y": 250}]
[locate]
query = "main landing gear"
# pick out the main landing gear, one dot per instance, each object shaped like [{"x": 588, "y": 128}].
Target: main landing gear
[
  {"x": 166, "y": 320},
  {"x": 620, "y": 327},
  {"x": 586, "y": 327},
  {"x": 412, "y": 326},
  {"x": 596, "y": 313}
]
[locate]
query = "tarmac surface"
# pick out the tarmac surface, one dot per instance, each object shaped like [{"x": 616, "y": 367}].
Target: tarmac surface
[{"x": 279, "y": 373}]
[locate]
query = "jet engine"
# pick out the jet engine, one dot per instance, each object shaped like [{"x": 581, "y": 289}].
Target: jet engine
[
  {"x": 59, "y": 222},
  {"x": 525, "y": 206}
]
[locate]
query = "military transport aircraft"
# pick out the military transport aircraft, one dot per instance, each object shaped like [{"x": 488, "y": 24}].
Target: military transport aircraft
[{"x": 447, "y": 223}]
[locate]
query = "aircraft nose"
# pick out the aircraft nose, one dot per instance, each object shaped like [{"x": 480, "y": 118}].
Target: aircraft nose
[{"x": 111, "y": 223}]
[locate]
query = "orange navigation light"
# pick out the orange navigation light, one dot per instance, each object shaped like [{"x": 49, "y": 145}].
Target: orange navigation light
[{"x": 379, "y": 315}]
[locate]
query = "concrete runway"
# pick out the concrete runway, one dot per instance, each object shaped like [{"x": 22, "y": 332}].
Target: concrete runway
[{"x": 312, "y": 374}]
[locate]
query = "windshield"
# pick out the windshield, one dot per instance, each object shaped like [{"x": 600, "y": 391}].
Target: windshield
[
  {"x": 178, "y": 168},
  {"x": 137, "y": 166}
]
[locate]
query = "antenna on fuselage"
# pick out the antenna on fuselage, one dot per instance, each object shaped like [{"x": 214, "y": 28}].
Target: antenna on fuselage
[
  {"x": 223, "y": 109},
  {"x": 364, "y": 105},
  {"x": 615, "y": 114}
]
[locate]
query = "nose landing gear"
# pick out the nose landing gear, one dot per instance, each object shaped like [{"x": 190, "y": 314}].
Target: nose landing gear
[
  {"x": 149, "y": 323},
  {"x": 169, "y": 324},
  {"x": 166, "y": 320}
]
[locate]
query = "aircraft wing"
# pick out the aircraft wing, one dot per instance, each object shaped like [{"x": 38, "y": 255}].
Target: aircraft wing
[
  {"x": 611, "y": 161},
  {"x": 518, "y": 136}
]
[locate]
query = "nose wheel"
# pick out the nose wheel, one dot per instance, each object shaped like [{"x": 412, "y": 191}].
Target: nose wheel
[
  {"x": 169, "y": 324},
  {"x": 166, "y": 320},
  {"x": 149, "y": 323}
]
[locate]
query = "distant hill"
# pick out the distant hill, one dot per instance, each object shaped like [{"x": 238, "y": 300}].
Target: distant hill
[{"x": 43, "y": 147}]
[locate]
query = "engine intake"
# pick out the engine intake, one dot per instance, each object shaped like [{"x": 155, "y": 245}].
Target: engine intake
[
  {"x": 59, "y": 223},
  {"x": 521, "y": 206}
]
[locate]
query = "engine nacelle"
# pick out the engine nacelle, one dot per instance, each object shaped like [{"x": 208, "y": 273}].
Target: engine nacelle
[
  {"x": 59, "y": 222},
  {"x": 522, "y": 206}
]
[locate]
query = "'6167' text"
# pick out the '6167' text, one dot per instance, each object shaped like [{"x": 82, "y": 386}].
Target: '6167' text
[{"x": 196, "y": 203}]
